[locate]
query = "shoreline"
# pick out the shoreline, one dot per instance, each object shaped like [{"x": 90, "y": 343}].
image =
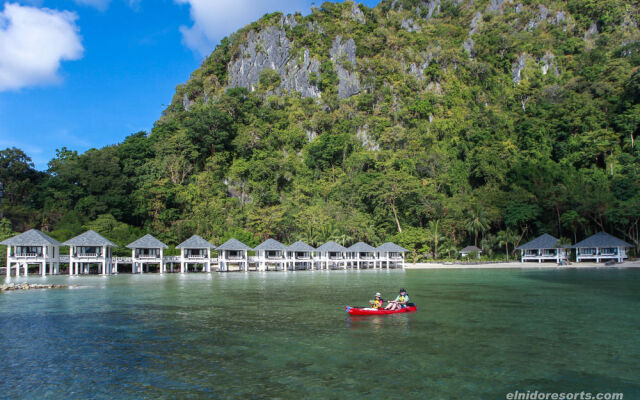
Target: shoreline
[{"x": 525, "y": 265}]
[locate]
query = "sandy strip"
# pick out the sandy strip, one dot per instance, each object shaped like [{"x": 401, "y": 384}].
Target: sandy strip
[{"x": 527, "y": 265}]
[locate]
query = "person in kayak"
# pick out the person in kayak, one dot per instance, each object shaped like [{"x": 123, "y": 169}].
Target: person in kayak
[
  {"x": 377, "y": 302},
  {"x": 400, "y": 302}
]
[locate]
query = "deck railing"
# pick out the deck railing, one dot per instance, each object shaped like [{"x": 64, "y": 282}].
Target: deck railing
[{"x": 29, "y": 255}]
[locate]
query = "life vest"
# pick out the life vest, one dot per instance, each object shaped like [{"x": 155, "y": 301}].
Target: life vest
[
  {"x": 377, "y": 303},
  {"x": 401, "y": 299}
]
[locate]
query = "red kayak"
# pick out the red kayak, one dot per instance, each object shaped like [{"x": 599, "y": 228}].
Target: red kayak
[{"x": 379, "y": 311}]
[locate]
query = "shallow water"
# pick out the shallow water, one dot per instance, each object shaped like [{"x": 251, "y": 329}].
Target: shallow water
[{"x": 478, "y": 334}]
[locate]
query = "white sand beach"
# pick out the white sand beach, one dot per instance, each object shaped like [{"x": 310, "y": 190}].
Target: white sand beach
[{"x": 527, "y": 265}]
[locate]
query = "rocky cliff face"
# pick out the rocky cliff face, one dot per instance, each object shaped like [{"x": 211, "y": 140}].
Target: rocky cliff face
[
  {"x": 343, "y": 55},
  {"x": 339, "y": 47},
  {"x": 271, "y": 49}
]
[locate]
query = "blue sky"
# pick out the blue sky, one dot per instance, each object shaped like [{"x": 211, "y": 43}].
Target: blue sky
[{"x": 87, "y": 73}]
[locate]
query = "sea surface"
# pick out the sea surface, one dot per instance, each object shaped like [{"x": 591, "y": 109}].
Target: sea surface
[{"x": 478, "y": 334}]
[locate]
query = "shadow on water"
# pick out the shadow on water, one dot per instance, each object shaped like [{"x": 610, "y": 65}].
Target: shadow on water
[{"x": 619, "y": 282}]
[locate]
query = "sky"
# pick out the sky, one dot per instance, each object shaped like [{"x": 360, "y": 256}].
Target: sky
[{"x": 87, "y": 73}]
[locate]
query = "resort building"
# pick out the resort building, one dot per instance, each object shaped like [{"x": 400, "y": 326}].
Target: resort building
[
  {"x": 390, "y": 254},
  {"x": 331, "y": 255},
  {"x": 32, "y": 248},
  {"x": 300, "y": 255},
  {"x": 601, "y": 246},
  {"x": 470, "y": 250},
  {"x": 87, "y": 249},
  {"x": 362, "y": 255},
  {"x": 144, "y": 252},
  {"x": 543, "y": 248},
  {"x": 195, "y": 251},
  {"x": 271, "y": 252},
  {"x": 233, "y": 252}
]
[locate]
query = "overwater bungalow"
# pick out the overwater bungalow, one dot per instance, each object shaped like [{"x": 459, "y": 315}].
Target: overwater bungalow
[
  {"x": 362, "y": 255},
  {"x": 233, "y": 252},
  {"x": 87, "y": 249},
  {"x": 195, "y": 251},
  {"x": 300, "y": 255},
  {"x": 601, "y": 246},
  {"x": 390, "y": 254},
  {"x": 32, "y": 248},
  {"x": 470, "y": 250},
  {"x": 543, "y": 248},
  {"x": 331, "y": 255},
  {"x": 146, "y": 251},
  {"x": 271, "y": 252}
]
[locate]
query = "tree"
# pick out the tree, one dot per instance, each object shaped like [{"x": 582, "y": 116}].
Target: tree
[
  {"x": 506, "y": 237},
  {"x": 6, "y": 231},
  {"x": 17, "y": 175},
  {"x": 477, "y": 221},
  {"x": 435, "y": 235}
]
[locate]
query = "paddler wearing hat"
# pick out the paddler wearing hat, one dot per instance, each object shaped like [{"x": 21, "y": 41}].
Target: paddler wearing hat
[
  {"x": 377, "y": 302},
  {"x": 400, "y": 302}
]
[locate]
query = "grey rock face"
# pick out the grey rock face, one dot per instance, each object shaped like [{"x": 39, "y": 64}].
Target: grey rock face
[
  {"x": 311, "y": 135},
  {"x": 342, "y": 54},
  {"x": 270, "y": 49},
  {"x": 357, "y": 14},
  {"x": 544, "y": 14},
  {"x": 548, "y": 62},
  {"x": 367, "y": 142},
  {"x": 417, "y": 70},
  {"x": 433, "y": 8},
  {"x": 518, "y": 66},
  {"x": 187, "y": 102},
  {"x": 475, "y": 24},
  {"x": 591, "y": 32},
  {"x": 410, "y": 25},
  {"x": 289, "y": 20},
  {"x": 496, "y": 5}
]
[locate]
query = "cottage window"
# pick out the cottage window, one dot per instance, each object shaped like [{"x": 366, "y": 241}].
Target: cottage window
[{"x": 610, "y": 251}]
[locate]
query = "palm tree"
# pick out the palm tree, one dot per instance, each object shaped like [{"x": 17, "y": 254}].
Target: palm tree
[
  {"x": 342, "y": 238},
  {"x": 435, "y": 235},
  {"x": 447, "y": 247},
  {"x": 505, "y": 237},
  {"x": 477, "y": 222}
]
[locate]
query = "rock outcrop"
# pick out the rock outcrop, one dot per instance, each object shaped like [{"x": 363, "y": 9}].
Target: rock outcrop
[
  {"x": 7, "y": 287},
  {"x": 469, "y": 43},
  {"x": 518, "y": 66},
  {"x": 410, "y": 25},
  {"x": 548, "y": 62},
  {"x": 357, "y": 14},
  {"x": 343, "y": 55},
  {"x": 545, "y": 15},
  {"x": 271, "y": 49},
  {"x": 368, "y": 142}
]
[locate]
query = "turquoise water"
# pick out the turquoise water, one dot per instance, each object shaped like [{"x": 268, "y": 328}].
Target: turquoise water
[{"x": 478, "y": 334}]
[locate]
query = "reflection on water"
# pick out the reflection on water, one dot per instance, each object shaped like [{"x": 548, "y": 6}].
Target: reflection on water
[{"x": 477, "y": 334}]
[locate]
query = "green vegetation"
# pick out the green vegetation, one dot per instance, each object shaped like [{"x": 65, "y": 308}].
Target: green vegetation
[{"x": 457, "y": 154}]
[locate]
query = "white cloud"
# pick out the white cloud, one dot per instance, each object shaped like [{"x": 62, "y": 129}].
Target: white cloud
[
  {"x": 99, "y": 4},
  {"x": 102, "y": 5},
  {"x": 33, "y": 42},
  {"x": 214, "y": 19}
]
